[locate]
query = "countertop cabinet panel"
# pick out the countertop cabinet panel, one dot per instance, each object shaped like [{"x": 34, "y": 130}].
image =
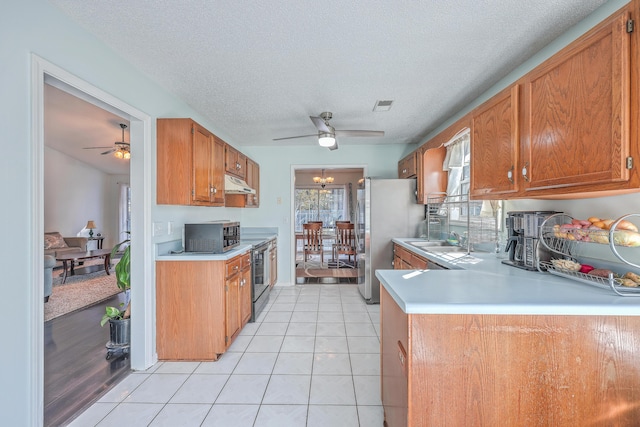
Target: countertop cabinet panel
[
  {"x": 512, "y": 370},
  {"x": 190, "y": 310}
]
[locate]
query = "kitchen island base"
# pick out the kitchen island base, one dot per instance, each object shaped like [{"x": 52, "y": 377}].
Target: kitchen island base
[{"x": 511, "y": 370}]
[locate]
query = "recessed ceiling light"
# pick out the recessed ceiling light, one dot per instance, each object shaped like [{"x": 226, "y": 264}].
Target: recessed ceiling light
[{"x": 383, "y": 105}]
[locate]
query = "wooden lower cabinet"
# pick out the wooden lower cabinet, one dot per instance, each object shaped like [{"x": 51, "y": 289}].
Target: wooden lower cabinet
[
  {"x": 201, "y": 306},
  {"x": 407, "y": 260},
  {"x": 508, "y": 370}
]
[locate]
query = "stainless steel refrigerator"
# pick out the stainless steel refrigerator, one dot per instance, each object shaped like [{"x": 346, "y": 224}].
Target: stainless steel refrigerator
[{"x": 386, "y": 208}]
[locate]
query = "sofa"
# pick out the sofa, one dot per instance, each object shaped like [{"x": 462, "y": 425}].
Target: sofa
[
  {"x": 49, "y": 263},
  {"x": 55, "y": 244}
]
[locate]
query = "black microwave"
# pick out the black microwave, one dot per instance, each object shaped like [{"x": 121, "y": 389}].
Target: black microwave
[{"x": 214, "y": 237}]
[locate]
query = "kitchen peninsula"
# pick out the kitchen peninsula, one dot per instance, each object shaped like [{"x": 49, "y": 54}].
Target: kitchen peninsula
[{"x": 488, "y": 344}]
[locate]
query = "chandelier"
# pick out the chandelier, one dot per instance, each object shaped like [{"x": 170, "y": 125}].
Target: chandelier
[{"x": 323, "y": 181}]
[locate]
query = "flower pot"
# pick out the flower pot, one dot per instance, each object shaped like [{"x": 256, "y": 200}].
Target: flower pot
[{"x": 119, "y": 332}]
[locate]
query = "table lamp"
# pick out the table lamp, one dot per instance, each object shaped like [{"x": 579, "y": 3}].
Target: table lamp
[{"x": 91, "y": 225}]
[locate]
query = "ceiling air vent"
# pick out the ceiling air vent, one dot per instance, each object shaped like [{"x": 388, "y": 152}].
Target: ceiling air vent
[{"x": 383, "y": 105}]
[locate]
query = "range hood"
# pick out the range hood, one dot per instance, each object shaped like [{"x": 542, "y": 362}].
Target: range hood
[{"x": 233, "y": 185}]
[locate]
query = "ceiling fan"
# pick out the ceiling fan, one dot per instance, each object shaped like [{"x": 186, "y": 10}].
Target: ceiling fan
[
  {"x": 327, "y": 134},
  {"x": 120, "y": 148}
]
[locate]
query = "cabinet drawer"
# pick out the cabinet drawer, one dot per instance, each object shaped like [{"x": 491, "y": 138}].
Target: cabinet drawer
[
  {"x": 245, "y": 261},
  {"x": 233, "y": 266}
]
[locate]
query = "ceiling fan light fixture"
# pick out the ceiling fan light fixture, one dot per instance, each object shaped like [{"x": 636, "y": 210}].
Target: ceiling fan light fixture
[
  {"x": 326, "y": 140},
  {"x": 119, "y": 154},
  {"x": 126, "y": 155}
]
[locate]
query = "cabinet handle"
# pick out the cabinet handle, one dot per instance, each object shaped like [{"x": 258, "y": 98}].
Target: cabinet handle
[
  {"x": 510, "y": 174},
  {"x": 235, "y": 267},
  {"x": 213, "y": 190},
  {"x": 524, "y": 172}
]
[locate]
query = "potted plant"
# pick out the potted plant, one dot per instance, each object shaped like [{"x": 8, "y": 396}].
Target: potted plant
[{"x": 120, "y": 318}]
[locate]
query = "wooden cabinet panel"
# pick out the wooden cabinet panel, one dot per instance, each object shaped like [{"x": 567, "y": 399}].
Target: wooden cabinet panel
[
  {"x": 576, "y": 121},
  {"x": 394, "y": 347},
  {"x": 233, "y": 322},
  {"x": 190, "y": 310},
  {"x": 202, "y": 153},
  {"x": 217, "y": 173},
  {"x": 559, "y": 370},
  {"x": 431, "y": 179},
  {"x": 495, "y": 145},
  {"x": 189, "y": 163},
  {"x": 245, "y": 289},
  {"x": 407, "y": 167},
  {"x": 404, "y": 259},
  {"x": 235, "y": 162},
  {"x": 253, "y": 179}
]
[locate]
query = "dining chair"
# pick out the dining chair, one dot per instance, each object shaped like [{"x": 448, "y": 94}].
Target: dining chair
[
  {"x": 312, "y": 241},
  {"x": 345, "y": 242}
]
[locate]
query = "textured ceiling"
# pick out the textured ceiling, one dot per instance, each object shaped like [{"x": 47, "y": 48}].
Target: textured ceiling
[{"x": 258, "y": 69}]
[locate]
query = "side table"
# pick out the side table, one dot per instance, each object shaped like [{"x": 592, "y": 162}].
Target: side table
[{"x": 99, "y": 241}]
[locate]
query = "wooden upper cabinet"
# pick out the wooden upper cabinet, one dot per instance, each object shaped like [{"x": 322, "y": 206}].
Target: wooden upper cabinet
[
  {"x": 201, "y": 160},
  {"x": 407, "y": 167},
  {"x": 217, "y": 172},
  {"x": 253, "y": 179},
  {"x": 494, "y": 145},
  {"x": 235, "y": 162},
  {"x": 189, "y": 164},
  {"x": 431, "y": 179},
  {"x": 576, "y": 114}
]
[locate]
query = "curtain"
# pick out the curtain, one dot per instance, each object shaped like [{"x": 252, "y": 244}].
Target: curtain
[
  {"x": 123, "y": 212},
  {"x": 453, "y": 164}
]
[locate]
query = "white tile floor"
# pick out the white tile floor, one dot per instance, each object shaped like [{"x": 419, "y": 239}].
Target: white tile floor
[{"x": 312, "y": 358}]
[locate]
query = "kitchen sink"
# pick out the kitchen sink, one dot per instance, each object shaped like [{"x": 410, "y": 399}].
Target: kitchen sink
[
  {"x": 448, "y": 248},
  {"x": 424, "y": 244}
]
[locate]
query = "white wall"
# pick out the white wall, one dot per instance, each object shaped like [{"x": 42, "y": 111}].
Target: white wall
[{"x": 74, "y": 193}]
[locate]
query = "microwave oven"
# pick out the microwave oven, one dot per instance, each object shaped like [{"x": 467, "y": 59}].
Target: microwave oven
[{"x": 214, "y": 237}]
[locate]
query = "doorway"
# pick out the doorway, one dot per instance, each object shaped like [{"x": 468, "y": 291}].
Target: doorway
[
  {"x": 325, "y": 195},
  {"x": 143, "y": 348}
]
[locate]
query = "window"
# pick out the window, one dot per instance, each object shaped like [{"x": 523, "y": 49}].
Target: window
[
  {"x": 317, "y": 204},
  {"x": 124, "y": 212}
]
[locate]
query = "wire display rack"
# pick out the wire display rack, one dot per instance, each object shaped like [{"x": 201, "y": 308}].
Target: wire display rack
[{"x": 569, "y": 242}]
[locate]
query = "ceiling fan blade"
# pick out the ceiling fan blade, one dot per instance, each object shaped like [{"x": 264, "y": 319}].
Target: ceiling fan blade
[
  {"x": 110, "y": 151},
  {"x": 352, "y": 133},
  {"x": 91, "y": 148},
  {"x": 334, "y": 146},
  {"x": 294, "y": 137},
  {"x": 320, "y": 124}
]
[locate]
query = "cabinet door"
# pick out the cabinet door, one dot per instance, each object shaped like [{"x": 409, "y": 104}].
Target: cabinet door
[
  {"x": 245, "y": 295},
  {"x": 241, "y": 166},
  {"x": 217, "y": 173},
  {"x": 253, "y": 179},
  {"x": 201, "y": 161},
  {"x": 174, "y": 178},
  {"x": 407, "y": 166},
  {"x": 431, "y": 179},
  {"x": 577, "y": 113},
  {"x": 494, "y": 145},
  {"x": 232, "y": 308},
  {"x": 394, "y": 344}
]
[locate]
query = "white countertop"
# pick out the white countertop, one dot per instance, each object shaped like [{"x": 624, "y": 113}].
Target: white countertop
[
  {"x": 483, "y": 285},
  {"x": 195, "y": 256}
]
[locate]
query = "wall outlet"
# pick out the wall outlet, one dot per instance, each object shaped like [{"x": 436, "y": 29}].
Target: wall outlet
[
  {"x": 170, "y": 227},
  {"x": 279, "y": 200}
]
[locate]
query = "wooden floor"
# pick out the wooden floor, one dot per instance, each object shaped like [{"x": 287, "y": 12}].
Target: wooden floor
[{"x": 76, "y": 372}]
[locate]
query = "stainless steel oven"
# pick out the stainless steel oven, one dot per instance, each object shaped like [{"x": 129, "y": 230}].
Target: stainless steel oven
[{"x": 261, "y": 277}]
